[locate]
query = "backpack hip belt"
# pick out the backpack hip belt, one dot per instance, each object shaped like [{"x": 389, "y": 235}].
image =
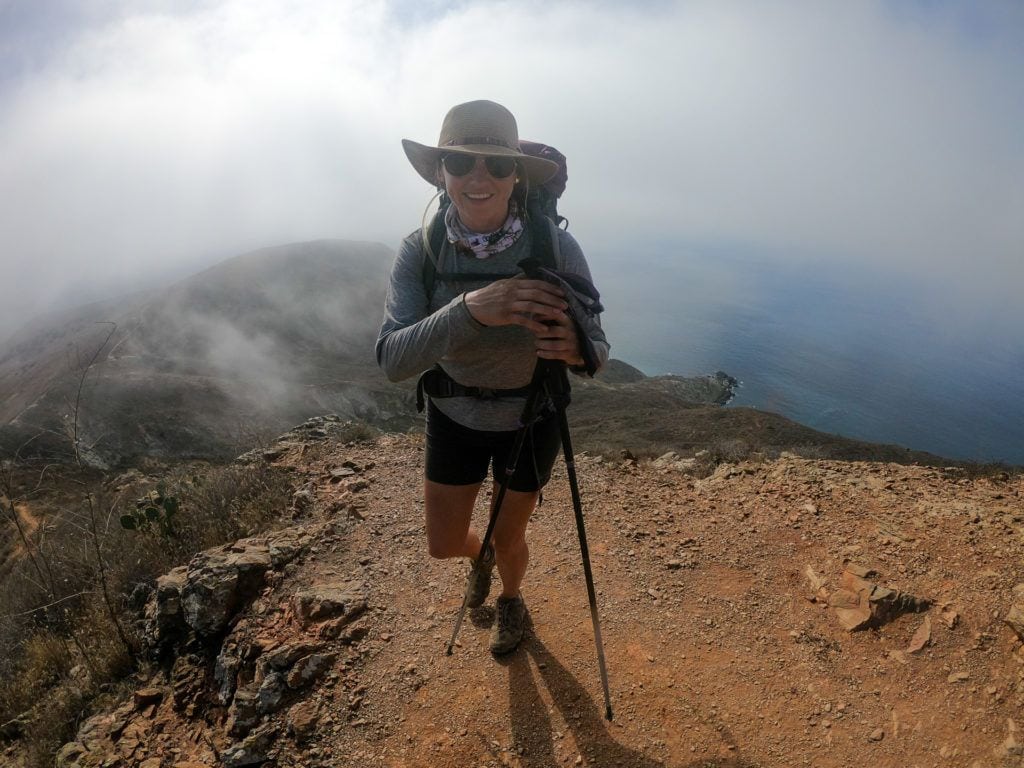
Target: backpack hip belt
[{"x": 437, "y": 383}]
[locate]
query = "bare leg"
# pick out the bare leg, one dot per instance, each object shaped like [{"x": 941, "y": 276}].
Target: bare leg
[
  {"x": 449, "y": 511},
  {"x": 510, "y": 538}
]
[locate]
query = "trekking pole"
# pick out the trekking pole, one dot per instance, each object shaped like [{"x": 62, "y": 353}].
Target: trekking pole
[
  {"x": 527, "y": 417},
  {"x": 559, "y": 391}
]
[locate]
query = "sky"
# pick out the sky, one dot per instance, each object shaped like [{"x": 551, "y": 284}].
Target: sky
[{"x": 141, "y": 140}]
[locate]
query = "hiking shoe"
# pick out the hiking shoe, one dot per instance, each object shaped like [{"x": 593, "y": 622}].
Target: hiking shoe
[
  {"x": 509, "y": 625},
  {"x": 479, "y": 585}
]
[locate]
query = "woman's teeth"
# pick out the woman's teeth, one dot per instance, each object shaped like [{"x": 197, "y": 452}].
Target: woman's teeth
[{"x": 478, "y": 196}]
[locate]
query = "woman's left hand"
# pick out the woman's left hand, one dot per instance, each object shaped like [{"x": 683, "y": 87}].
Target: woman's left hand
[{"x": 559, "y": 341}]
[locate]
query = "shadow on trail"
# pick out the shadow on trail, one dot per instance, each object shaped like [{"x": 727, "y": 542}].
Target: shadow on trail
[{"x": 532, "y": 730}]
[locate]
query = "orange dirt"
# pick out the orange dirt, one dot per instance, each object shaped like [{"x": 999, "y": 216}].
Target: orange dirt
[
  {"x": 716, "y": 655},
  {"x": 722, "y": 660}
]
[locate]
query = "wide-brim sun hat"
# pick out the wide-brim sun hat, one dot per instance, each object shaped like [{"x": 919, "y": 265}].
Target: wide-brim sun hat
[{"x": 477, "y": 128}]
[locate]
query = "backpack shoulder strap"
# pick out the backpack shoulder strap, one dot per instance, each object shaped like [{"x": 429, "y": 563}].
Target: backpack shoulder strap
[
  {"x": 434, "y": 237},
  {"x": 544, "y": 233},
  {"x": 556, "y": 248}
]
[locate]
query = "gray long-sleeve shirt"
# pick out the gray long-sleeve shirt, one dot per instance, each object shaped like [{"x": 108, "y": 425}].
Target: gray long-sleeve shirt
[{"x": 417, "y": 333}]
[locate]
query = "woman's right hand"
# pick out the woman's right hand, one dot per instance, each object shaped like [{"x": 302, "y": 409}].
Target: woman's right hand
[{"x": 517, "y": 301}]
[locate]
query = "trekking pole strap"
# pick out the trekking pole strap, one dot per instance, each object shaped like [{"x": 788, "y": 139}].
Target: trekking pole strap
[{"x": 437, "y": 383}]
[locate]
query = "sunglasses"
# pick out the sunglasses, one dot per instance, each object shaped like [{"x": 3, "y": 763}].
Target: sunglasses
[{"x": 500, "y": 167}]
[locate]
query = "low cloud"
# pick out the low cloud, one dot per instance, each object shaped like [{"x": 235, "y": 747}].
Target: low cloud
[{"x": 139, "y": 141}]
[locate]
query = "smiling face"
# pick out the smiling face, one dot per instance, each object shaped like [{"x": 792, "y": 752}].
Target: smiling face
[{"x": 480, "y": 198}]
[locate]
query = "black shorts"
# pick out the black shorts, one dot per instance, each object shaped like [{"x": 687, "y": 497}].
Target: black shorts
[{"x": 458, "y": 455}]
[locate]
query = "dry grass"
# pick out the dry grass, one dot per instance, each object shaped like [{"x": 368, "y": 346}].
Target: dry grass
[{"x": 58, "y": 659}]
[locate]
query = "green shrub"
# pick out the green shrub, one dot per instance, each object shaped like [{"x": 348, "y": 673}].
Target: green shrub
[{"x": 153, "y": 512}]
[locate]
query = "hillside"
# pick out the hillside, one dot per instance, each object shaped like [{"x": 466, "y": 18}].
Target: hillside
[
  {"x": 230, "y": 357},
  {"x": 205, "y": 366},
  {"x": 721, "y": 605}
]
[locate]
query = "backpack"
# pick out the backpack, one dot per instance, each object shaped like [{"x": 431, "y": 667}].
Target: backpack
[{"x": 542, "y": 218}]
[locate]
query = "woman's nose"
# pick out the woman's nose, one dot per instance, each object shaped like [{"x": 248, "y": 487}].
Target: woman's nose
[{"x": 479, "y": 170}]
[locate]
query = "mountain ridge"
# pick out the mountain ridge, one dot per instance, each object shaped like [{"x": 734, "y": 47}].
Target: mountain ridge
[{"x": 263, "y": 340}]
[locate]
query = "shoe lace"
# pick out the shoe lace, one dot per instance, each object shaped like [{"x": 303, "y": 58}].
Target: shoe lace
[{"x": 507, "y": 613}]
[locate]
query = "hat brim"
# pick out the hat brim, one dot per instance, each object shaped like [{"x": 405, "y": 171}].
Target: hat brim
[{"x": 425, "y": 158}]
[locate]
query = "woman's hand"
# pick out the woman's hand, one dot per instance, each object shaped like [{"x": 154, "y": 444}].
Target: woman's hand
[
  {"x": 517, "y": 301},
  {"x": 559, "y": 341}
]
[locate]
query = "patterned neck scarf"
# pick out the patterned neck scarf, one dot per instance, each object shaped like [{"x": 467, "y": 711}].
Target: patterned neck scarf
[{"x": 486, "y": 244}]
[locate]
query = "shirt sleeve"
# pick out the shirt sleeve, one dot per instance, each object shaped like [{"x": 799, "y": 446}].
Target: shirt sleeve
[
  {"x": 411, "y": 337},
  {"x": 573, "y": 261}
]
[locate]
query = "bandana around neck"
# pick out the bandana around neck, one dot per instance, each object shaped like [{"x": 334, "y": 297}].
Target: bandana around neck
[{"x": 489, "y": 243}]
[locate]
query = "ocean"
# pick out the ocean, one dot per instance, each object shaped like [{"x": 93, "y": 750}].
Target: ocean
[{"x": 875, "y": 357}]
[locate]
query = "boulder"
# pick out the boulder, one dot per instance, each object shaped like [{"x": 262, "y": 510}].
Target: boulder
[
  {"x": 287, "y": 544},
  {"x": 70, "y": 755},
  {"x": 309, "y": 668},
  {"x": 225, "y": 674},
  {"x": 252, "y": 750},
  {"x": 329, "y": 601},
  {"x": 860, "y": 604},
  {"x": 221, "y": 581},
  {"x": 281, "y": 658},
  {"x": 165, "y": 614},
  {"x": 243, "y": 714},
  {"x": 271, "y": 692},
  {"x": 302, "y": 720}
]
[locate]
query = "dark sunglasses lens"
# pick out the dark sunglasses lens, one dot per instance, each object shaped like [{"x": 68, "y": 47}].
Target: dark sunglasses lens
[
  {"x": 459, "y": 165},
  {"x": 500, "y": 167}
]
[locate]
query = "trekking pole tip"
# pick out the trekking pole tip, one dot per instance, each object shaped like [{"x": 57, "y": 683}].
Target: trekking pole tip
[{"x": 608, "y": 713}]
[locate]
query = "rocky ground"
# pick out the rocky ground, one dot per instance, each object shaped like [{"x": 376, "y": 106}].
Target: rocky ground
[{"x": 725, "y": 604}]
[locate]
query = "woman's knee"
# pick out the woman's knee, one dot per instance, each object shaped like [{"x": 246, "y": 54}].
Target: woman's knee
[
  {"x": 443, "y": 549},
  {"x": 506, "y": 544}
]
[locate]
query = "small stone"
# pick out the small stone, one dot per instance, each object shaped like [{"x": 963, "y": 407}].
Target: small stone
[
  {"x": 876, "y": 735},
  {"x": 1015, "y": 620},
  {"x": 302, "y": 719},
  {"x": 147, "y": 696},
  {"x": 1011, "y": 747},
  {"x": 922, "y": 637},
  {"x": 958, "y": 677},
  {"x": 861, "y": 570}
]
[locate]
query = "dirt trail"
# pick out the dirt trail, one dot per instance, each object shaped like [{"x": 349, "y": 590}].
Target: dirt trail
[
  {"x": 716, "y": 656},
  {"x": 29, "y": 524}
]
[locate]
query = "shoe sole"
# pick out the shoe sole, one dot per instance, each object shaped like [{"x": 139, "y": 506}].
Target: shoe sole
[
  {"x": 506, "y": 651},
  {"x": 481, "y": 601}
]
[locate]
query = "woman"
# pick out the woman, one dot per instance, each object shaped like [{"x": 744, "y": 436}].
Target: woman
[{"x": 482, "y": 333}]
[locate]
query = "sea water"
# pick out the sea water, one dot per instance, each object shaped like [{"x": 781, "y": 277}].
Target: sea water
[{"x": 869, "y": 356}]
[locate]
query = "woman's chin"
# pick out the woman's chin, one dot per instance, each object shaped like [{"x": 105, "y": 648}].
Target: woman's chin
[{"x": 482, "y": 222}]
